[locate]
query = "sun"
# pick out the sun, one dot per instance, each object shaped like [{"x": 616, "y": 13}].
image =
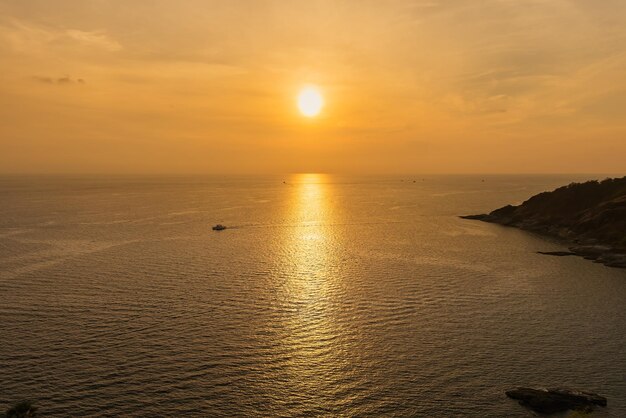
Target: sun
[{"x": 310, "y": 101}]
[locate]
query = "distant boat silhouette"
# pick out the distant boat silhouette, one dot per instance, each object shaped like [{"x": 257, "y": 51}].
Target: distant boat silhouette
[{"x": 219, "y": 227}]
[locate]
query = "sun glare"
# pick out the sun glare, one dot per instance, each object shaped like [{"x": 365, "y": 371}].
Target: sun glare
[{"x": 310, "y": 101}]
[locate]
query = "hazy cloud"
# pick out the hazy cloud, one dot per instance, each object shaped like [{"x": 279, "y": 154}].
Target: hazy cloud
[
  {"x": 65, "y": 80},
  {"x": 28, "y": 37},
  {"x": 97, "y": 39}
]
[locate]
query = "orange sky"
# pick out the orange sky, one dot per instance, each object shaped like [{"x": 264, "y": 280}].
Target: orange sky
[{"x": 415, "y": 86}]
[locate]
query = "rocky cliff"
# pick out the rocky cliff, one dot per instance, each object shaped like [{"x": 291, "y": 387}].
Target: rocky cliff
[{"x": 591, "y": 216}]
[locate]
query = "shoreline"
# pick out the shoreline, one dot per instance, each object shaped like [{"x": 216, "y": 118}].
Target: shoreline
[{"x": 593, "y": 250}]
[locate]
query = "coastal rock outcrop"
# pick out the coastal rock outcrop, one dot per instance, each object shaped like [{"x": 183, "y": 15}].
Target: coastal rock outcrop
[
  {"x": 590, "y": 216},
  {"x": 557, "y": 253},
  {"x": 549, "y": 401}
]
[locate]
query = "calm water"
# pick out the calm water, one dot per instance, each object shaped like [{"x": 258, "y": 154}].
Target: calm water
[{"x": 330, "y": 296}]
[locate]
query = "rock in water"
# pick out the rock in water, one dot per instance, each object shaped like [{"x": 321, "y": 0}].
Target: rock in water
[
  {"x": 549, "y": 401},
  {"x": 556, "y": 253},
  {"x": 483, "y": 217}
]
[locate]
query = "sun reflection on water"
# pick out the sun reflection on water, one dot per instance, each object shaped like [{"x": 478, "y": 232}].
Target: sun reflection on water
[
  {"x": 312, "y": 290},
  {"x": 310, "y": 240}
]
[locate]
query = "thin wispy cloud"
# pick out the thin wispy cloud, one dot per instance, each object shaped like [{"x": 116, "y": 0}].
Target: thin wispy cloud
[
  {"x": 61, "y": 81},
  {"x": 28, "y": 37}
]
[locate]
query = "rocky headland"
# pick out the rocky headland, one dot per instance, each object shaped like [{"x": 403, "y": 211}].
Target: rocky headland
[{"x": 590, "y": 217}]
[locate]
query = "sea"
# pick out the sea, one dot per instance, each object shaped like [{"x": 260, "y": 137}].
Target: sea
[{"x": 326, "y": 295}]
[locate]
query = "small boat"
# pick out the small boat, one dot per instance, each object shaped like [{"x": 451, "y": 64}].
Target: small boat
[{"x": 219, "y": 227}]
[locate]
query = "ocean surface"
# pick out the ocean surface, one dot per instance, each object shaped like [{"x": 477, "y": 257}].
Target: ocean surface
[{"x": 327, "y": 296}]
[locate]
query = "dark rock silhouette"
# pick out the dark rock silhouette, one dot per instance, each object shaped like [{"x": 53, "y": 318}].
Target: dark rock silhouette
[
  {"x": 549, "y": 401},
  {"x": 556, "y": 253},
  {"x": 591, "y": 216},
  {"x": 24, "y": 409}
]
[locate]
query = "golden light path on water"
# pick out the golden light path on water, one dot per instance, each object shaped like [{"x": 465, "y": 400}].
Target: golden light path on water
[{"x": 313, "y": 288}]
